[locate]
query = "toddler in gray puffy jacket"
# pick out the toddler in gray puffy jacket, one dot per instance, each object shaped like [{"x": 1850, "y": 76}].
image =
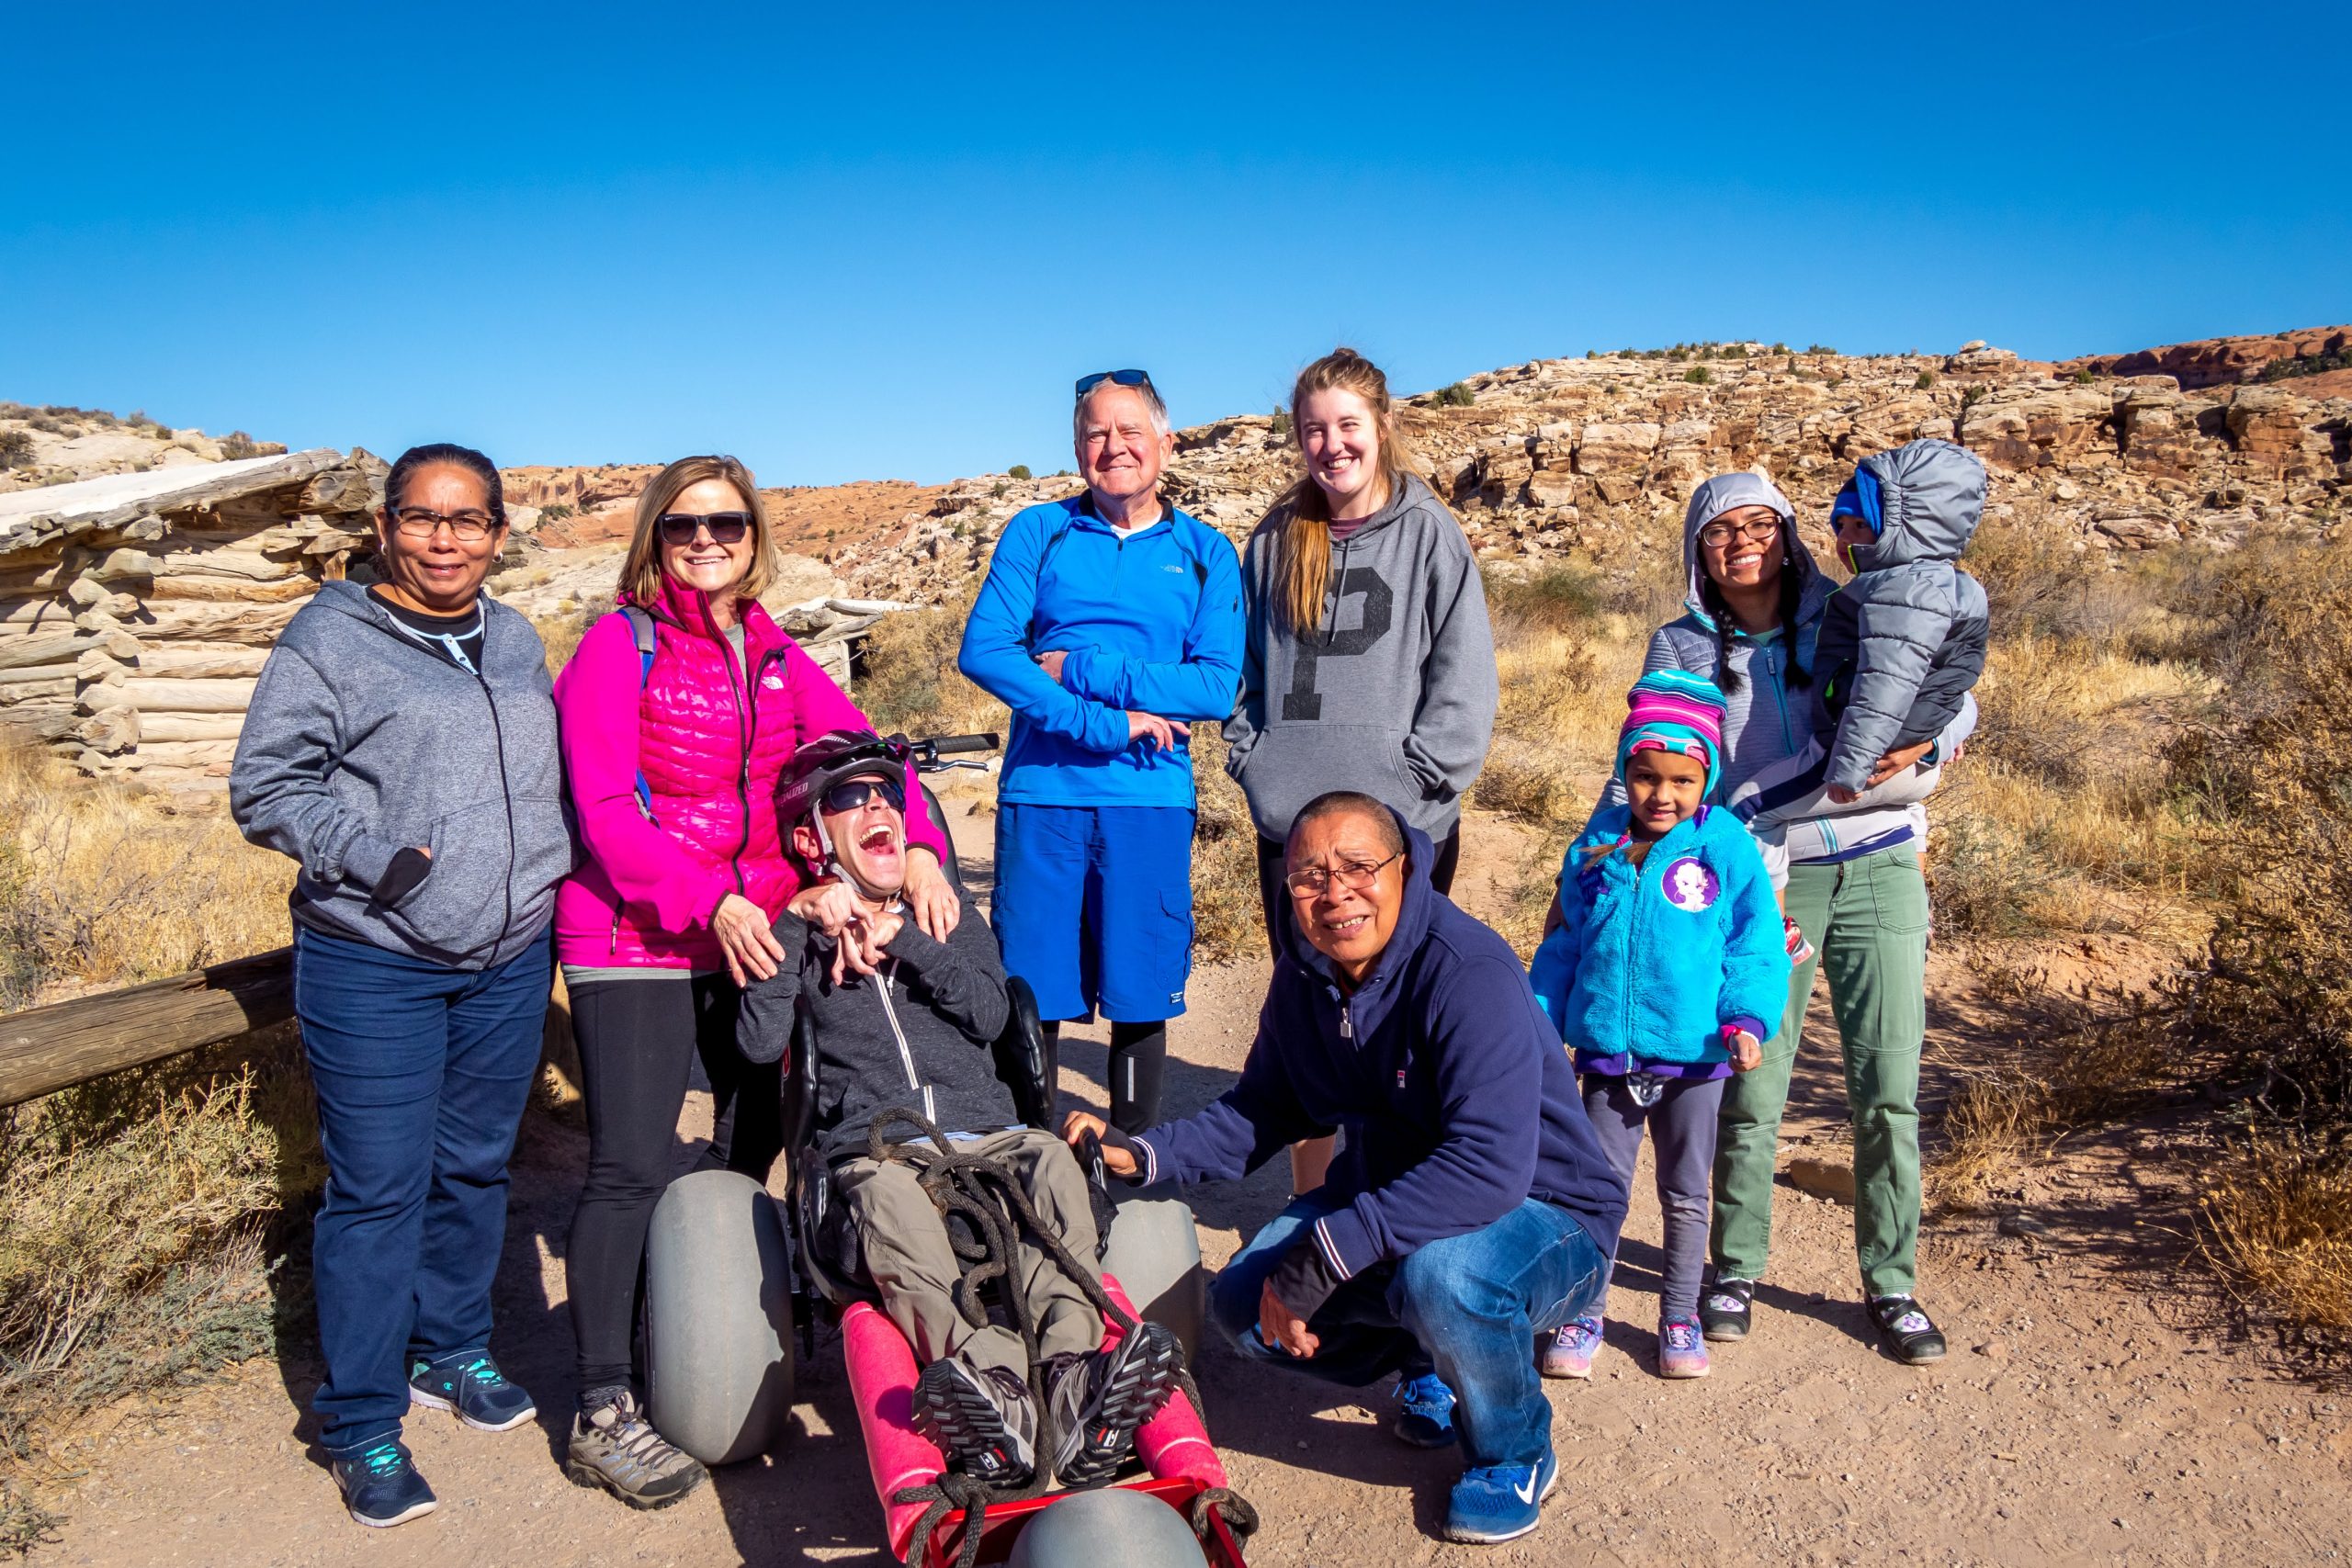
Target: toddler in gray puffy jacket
[{"x": 1900, "y": 645}]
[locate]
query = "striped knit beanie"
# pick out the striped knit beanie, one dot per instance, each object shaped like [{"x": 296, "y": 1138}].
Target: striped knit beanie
[{"x": 1673, "y": 710}]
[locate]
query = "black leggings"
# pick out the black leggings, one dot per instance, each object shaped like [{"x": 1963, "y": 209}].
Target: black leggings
[
  {"x": 1273, "y": 897},
  {"x": 637, "y": 1040},
  {"x": 1138, "y": 1066}
]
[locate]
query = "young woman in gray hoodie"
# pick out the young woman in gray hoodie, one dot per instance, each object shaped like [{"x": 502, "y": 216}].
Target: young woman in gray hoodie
[{"x": 1368, "y": 664}]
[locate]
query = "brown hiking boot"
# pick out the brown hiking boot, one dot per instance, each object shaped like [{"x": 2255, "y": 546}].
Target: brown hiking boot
[{"x": 615, "y": 1447}]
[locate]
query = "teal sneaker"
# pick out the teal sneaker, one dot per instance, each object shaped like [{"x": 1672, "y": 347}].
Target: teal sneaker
[
  {"x": 1427, "y": 1419},
  {"x": 470, "y": 1384},
  {"x": 380, "y": 1485},
  {"x": 1500, "y": 1502}
]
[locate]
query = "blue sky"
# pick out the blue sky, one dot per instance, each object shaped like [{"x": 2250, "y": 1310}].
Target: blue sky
[{"x": 881, "y": 244}]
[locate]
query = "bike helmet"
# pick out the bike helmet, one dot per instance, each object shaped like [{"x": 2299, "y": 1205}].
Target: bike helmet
[{"x": 836, "y": 757}]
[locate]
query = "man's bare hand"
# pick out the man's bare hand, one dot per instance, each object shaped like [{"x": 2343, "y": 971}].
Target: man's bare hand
[
  {"x": 1161, "y": 734},
  {"x": 1051, "y": 663},
  {"x": 1077, "y": 1123},
  {"x": 1283, "y": 1328}
]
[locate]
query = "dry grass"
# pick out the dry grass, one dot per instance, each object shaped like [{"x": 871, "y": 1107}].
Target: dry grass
[
  {"x": 100, "y": 885},
  {"x": 132, "y": 1210},
  {"x": 2279, "y": 1223}
]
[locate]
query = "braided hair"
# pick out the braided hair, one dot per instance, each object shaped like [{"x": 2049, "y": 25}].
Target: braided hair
[{"x": 1727, "y": 680}]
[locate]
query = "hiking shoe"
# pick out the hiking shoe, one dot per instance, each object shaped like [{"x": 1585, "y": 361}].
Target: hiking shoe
[
  {"x": 1726, "y": 1310},
  {"x": 615, "y": 1447},
  {"x": 1681, "y": 1349},
  {"x": 380, "y": 1485},
  {"x": 1098, "y": 1399},
  {"x": 1567, "y": 1351},
  {"x": 981, "y": 1417},
  {"x": 471, "y": 1384},
  {"x": 1427, "y": 1419},
  {"x": 1500, "y": 1501},
  {"x": 1907, "y": 1333}
]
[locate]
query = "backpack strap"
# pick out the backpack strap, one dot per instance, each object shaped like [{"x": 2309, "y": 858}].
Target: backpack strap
[{"x": 640, "y": 626}]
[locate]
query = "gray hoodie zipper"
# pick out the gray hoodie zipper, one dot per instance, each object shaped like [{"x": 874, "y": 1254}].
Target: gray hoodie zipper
[{"x": 906, "y": 1053}]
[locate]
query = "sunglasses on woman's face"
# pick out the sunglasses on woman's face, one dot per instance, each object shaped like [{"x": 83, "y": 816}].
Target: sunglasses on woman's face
[
  {"x": 853, "y": 794},
  {"x": 725, "y": 528}
]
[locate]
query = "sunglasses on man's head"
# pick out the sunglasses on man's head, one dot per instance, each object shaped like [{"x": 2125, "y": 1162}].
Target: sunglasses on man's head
[
  {"x": 852, "y": 793},
  {"x": 725, "y": 528},
  {"x": 1116, "y": 378}
]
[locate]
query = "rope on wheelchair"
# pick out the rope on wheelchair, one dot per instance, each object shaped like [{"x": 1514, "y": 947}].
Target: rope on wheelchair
[{"x": 988, "y": 1196}]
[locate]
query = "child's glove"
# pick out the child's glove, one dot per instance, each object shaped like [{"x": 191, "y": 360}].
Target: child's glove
[{"x": 1799, "y": 948}]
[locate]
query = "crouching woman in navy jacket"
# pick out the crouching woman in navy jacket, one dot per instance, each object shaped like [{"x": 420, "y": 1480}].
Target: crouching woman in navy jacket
[{"x": 1472, "y": 1206}]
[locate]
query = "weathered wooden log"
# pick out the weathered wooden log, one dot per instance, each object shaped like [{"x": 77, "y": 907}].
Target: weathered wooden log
[
  {"x": 45, "y": 681},
  {"x": 180, "y": 660},
  {"x": 193, "y": 621},
  {"x": 234, "y": 590},
  {"x": 249, "y": 564},
  {"x": 39, "y": 612},
  {"x": 40, "y": 721},
  {"x": 53, "y": 648},
  {"x": 159, "y": 727},
  {"x": 119, "y": 566},
  {"x": 171, "y": 695},
  {"x": 114, "y": 729},
  {"x": 46, "y": 1049}
]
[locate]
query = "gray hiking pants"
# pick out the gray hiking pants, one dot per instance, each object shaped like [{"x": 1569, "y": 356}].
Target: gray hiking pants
[
  {"x": 1682, "y": 1124},
  {"x": 914, "y": 1270}
]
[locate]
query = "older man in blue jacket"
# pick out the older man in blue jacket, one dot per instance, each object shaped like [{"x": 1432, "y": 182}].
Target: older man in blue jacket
[
  {"x": 1109, "y": 623},
  {"x": 1472, "y": 1208}
]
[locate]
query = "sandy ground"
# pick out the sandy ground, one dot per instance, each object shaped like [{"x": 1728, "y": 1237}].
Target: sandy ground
[{"x": 2092, "y": 1409}]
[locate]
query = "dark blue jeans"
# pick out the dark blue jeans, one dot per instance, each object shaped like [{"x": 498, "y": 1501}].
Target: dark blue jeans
[
  {"x": 422, "y": 1073},
  {"x": 1469, "y": 1307}
]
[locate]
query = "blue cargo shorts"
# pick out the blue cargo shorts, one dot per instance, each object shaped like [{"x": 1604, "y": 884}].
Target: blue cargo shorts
[{"x": 1094, "y": 907}]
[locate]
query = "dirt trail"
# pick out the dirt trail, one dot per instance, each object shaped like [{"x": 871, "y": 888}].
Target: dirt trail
[{"x": 2089, "y": 1412}]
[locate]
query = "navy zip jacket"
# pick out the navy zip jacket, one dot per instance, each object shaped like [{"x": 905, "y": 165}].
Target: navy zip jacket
[{"x": 1458, "y": 1101}]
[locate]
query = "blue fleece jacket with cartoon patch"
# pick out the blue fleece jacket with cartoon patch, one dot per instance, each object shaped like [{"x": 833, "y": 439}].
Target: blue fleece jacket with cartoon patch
[{"x": 1651, "y": 962}]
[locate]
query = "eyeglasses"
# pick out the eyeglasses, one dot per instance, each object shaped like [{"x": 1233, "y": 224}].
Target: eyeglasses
[
  {"x": 725, "y": 528},
  {"x": 852, "y": 793},
  {"x": 1116, "y": 378},
  {"x": 423, "y": 522},
  {"x": 1355, "y": 876},
  {"x": 1722, "y": 534}
]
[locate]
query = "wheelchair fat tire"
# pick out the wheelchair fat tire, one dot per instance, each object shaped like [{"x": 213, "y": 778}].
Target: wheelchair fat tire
[
  {"x": 1155, "y": 1253},
  {"x": 719, "y": 1317}
]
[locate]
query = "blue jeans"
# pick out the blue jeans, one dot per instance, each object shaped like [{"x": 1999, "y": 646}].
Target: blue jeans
[
  {"x": 1468, "y": 1307},
  {"x": 422, "y": 1073}
]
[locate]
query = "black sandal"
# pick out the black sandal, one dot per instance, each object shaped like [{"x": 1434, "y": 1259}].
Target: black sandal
[
  {"x": 1907, "y": 1331},
  {"x": 1725, "y": 1308}
]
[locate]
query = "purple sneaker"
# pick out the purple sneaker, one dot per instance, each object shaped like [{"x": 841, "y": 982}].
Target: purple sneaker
[
  {"x": 1567, "y": 1351},
  {"x": 1681, "y": 1349}
]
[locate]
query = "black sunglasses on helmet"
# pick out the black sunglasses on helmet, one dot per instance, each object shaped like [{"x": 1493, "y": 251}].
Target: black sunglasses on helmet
[
  {"x": 1117, "y": 378},
  {"x": 725, "y": 528},
  {"x": 851, "y": 794}
]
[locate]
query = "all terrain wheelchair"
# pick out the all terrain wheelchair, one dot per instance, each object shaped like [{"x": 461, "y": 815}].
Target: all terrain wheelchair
[{"x": 729, "y": 1277}]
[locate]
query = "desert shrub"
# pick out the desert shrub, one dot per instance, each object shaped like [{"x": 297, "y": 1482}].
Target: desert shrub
[
  {"x": 1699, "y": 374},
  {"x": 556, "y": 511},
  {"x": 1456, "y": 395},
  {"x": 2083, "y": 378},
  {"x": 1819, "y": 348},
  {"x": 561, "y": 633},
  {"x": 1018, "y": 471},
  {"x": 906, "y": 679},
  {"x": 1922, "y": 381},
  {"x": 16, "y": 449},
  {"x": 1227, "y": 920},
  {"x": 999, "y": 490},
  {"x": 237, "y": 446}
]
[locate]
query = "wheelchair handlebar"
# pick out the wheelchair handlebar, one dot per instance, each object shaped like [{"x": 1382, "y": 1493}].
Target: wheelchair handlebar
[{"x": 927, "y": 752}]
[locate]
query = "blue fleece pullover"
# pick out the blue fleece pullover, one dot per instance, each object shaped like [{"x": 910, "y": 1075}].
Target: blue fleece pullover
[
  {"x": 1458, "y": 1102},
  {"x": 1151, "y": 622},
  {"x": 1651, "y": 963}
]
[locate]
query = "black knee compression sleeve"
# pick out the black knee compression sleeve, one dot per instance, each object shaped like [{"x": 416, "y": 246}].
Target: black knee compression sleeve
[{"x": 1138, "y": 1061}]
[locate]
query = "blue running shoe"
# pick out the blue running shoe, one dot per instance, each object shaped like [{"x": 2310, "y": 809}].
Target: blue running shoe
[
  {"x": 470, "y": 1384},
  {"x": 380, "y": 1485},
  {"x": 1500, "y": 1502},
  {"x": 1427, "y": 1419}
]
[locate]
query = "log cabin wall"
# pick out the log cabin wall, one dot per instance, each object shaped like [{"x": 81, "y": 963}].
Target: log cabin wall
[{"x": 136, "y": 610}]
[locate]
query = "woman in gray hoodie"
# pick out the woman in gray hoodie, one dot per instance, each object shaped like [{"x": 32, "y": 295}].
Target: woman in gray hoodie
[
  {"x": 1368, "y": 664},
  {"x": 402, "y": 745}
]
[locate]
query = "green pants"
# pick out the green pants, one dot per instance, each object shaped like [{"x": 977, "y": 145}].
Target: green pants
[{"x": 1869, "y": 918}]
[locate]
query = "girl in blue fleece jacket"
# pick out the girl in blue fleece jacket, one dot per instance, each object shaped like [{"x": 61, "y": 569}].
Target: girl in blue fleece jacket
[{"x": 1667, "y": 960}]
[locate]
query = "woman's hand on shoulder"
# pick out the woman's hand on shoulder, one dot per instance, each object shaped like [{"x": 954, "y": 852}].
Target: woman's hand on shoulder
[{"x": 930, "y": 895}]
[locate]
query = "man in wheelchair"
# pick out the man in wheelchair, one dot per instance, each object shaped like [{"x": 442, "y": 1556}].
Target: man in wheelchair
[{"x": 901, "y": 1020}]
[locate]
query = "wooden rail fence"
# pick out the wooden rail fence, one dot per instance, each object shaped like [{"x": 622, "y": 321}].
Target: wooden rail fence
[{"x": 45, "y": 1049}]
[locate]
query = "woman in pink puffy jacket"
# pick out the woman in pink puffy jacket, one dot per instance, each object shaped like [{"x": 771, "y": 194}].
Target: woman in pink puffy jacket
[{"x": 671, "y": 763}]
